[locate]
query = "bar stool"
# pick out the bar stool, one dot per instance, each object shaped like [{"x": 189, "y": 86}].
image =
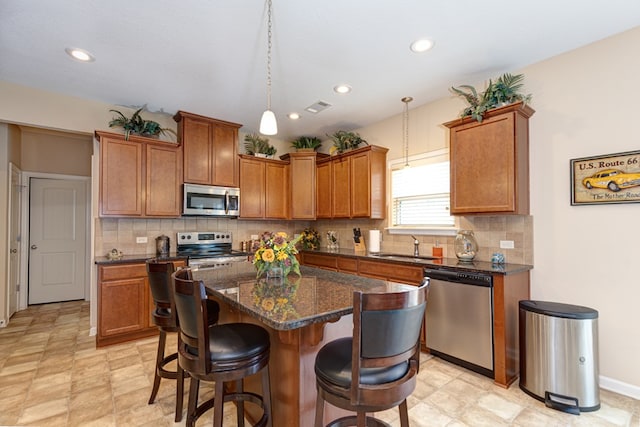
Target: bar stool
[
  {"x": 376, "y": 368},
  {"x": 221, "y": 353},
  {"x": 159, "y": 274}
]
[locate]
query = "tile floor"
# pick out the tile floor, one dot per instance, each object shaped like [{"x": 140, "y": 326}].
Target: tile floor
[{"x": 51, "y": 374}]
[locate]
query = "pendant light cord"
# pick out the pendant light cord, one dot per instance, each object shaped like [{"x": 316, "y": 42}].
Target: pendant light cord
[
  {"x": 269, "y": 55},
  {"x": 405, "y": 128}
]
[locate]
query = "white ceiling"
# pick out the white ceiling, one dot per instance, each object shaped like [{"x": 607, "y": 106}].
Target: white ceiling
[{"x": 209, "y": 56}]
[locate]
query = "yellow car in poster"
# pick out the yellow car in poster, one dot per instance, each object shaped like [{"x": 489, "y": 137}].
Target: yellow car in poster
[{"x": 613, "y": 179}]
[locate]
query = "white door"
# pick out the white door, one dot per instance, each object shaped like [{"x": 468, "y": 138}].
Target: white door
[
  {"x": 15, "y": 203},
  {"x": 57, "y": 240}
]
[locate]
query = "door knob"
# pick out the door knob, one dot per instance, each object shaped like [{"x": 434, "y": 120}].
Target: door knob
[{"x": 34, "y": 247}]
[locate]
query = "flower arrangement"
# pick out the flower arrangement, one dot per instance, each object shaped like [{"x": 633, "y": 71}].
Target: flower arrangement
[
  {"x": 276, "y": 299},
  {"x": 310, "y": 238},
  {"x": 275, "y": 250}
]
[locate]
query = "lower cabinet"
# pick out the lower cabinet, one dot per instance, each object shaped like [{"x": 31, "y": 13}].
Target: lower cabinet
[{"x": 124, "y": 303}]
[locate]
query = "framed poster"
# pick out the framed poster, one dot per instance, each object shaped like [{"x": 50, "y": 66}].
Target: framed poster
[{"x": 610, "y": 178}]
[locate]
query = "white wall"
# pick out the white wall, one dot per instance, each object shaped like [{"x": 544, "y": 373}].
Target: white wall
[{"x": 585, "y": 104}]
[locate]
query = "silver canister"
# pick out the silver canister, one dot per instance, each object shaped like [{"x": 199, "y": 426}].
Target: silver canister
[{"x": 162, "y": 246}]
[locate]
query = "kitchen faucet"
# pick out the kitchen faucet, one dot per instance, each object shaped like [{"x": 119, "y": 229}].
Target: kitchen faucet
[{"x": 416, "y": 243}]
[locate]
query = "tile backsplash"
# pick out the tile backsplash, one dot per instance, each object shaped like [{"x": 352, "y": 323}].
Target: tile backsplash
[{"x": 122, "y": 234}]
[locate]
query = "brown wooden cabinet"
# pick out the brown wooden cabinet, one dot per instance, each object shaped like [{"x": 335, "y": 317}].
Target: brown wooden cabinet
[
  {"x": 357, "y": 182},
  {"x": 124, "y": 303},
  {"x": 210, "y": 149},
  {"x": 302, "y": 185},
  {"x": 264, "y": 188},
  {"x": 490, "y": 162},
  {"x": 139, "y": 177}
]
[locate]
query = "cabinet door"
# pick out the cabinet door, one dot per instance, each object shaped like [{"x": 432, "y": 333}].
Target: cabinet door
[
  {"x": 225, "y": 156},
  {"x": 196, "y": 142},
  {"x": 123, "y": 306},
  {"x": 252, "y": 195},
  {"x": 360, "y": 185},
  {"x": 341, "y": 188},
  {"x": 121, "y": 166},
  {"x": 163, "y": 179},
  {"x": 276, "y": 190},
  {"x": 324, "y": 172},
  {"x": 302, "y": 173}
]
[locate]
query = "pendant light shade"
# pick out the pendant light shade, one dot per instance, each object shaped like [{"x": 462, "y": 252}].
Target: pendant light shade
[{"x": 268, "y": 124}]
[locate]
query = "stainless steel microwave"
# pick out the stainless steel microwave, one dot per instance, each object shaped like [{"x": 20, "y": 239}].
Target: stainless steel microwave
[{"x": 209, "y": 200}]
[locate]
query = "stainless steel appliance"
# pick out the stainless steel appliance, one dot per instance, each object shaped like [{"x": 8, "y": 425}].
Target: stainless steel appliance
[
  {"x": 206, "y": 200},
  {"x": 559, "y": 355},
  {"x": 209, "y": 249},
  {"x": 459, "y": 318}
]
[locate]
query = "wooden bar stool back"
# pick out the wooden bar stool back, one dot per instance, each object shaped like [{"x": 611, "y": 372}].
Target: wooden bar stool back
[
  {"x": 376, "y": 368},
  {"x": 220, "y": 353}
]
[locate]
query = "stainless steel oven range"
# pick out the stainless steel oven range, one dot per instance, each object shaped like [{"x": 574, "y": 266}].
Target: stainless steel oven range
[{"x": 208, "y": 249}]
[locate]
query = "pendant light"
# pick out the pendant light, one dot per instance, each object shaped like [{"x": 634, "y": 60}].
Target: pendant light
[
  {"x": 405, "y": 129},
  {"x": 268, "y": 124}
]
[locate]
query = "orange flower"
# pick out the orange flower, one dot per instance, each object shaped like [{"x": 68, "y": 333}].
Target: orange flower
[{"x": 268, "y": 255}]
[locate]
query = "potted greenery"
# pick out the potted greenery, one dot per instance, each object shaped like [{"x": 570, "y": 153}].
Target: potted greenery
[
  {"x": 306, "y": 143},
  {"x": 505, "y": 90},
  {"x": 137, "y": 125},
  {"x": 345, "y": 141},
  {"x": 258, "y": 146}
]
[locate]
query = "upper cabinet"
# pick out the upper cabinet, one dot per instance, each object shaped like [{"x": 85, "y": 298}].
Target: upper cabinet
[
  {"x": 352, "y": 185},
  {"x": 210, "y": 149},
  {"x": 302, "y": 184},
  {"x": 139, "y": 177},
  {"x": 264, "y": 188},
  {"x": 490, "y": 162}
]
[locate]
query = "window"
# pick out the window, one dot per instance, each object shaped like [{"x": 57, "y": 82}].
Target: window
[{"x": 420, "y": 193}]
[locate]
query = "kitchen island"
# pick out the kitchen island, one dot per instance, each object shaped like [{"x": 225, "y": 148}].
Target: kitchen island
[{"x": 301, "y": 313}]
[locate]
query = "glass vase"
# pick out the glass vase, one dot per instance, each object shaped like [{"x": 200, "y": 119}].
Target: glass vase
[
  {"x": 275, "y": 271},
  {"x": 465, "y": 245}
]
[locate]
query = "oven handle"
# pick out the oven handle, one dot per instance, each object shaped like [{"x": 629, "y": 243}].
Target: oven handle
[{"x": 226, "y": 202}]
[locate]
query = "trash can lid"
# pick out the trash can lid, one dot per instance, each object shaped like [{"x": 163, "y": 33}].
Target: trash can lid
[{"x": 557, "y": 309}]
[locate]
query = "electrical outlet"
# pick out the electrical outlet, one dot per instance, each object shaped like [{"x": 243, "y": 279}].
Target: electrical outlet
[
  {"x": 141, "y": 240},
  {"x": 506, "y": 244},
  {"x": 254, "y": 237}
]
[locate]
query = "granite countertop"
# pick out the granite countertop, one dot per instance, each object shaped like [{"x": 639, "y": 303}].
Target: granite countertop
[
  {"x": 128, "y": 259},
  {"x": 317, "y": 296},
  {"x": 439, "y": 263}
]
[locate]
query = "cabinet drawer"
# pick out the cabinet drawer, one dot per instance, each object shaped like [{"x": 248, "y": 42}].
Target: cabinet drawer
[
  {"x": 390, "y": 271},
  {"x": 323, "y": 261},
  {"x": 349, "y": 265},
  {"x": 121, "y": 271}
]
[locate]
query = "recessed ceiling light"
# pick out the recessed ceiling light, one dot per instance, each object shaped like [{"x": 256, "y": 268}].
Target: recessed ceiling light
[
  {"x": 342, "y": 89},
  {"x": 79, "y": 54},
  {"x": 294, "y": 116},
  {"x": 421, "y": 45}
]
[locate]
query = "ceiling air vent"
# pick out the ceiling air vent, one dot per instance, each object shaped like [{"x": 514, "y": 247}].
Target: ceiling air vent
[{"x": 317, "y": 107}]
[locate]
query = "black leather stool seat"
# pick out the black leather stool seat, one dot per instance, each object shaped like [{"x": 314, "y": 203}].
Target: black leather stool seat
[
  {"x": 333, "y": 364},
  {"x": 235, "y": 341}
]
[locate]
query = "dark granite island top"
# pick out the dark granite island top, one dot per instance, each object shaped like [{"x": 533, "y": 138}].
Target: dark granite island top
[
  {"x": 300, "y": 315},
  {"x": 318, "y": 296}
]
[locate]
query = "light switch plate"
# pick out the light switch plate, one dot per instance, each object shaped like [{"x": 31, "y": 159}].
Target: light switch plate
[
  {"x": 506, "y": 244},
  {"x": 141, "y": 240}
]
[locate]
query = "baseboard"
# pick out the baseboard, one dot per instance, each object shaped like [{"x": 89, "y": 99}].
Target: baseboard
[
  {"x": 620, "y": 387},
  {"x": 93, "y": 331}
]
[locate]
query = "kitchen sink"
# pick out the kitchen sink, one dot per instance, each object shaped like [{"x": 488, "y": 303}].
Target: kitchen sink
[{"x": 404, "y": 256}]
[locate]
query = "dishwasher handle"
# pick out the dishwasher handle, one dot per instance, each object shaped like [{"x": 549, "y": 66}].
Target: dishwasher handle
[{"x": 467, "y": 278}]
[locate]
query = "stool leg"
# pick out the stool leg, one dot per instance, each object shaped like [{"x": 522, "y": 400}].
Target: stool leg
[
  {"x": 218, "y": 403},
  {"x": 319, "y": 410},
  {"x": 159, "y": 356},
  {"x": 193, "y": 401},
  {"x": 179, "y": 392},
  {"x": 404, "y": 414},
  {"x": 266, "y": 394},
  {"x": 240, "y": 405}
]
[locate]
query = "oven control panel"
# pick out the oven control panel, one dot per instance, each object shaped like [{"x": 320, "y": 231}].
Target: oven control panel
[{"x": 204, "y": 237}]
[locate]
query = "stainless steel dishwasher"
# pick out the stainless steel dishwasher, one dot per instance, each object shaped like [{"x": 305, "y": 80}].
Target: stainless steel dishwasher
[{"x": 459, "y": 319}]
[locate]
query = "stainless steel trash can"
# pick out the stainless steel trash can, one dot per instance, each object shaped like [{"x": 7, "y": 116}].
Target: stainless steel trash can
[{"x": 559, "y": 355}]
